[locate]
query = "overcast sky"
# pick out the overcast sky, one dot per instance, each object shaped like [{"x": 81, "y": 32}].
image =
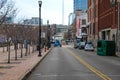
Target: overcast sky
[{"x": 51, "y": 10}]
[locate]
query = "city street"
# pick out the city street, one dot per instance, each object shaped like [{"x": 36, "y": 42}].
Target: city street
[
  {"x": 60, "y": 40},
  {"x": 67, "y": 63}
]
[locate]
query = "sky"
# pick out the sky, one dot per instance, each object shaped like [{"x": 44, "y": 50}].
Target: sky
[{"x": 51, "y": 10}]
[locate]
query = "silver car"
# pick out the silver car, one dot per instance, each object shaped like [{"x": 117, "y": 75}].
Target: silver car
[{"x": 89, "y": 47}]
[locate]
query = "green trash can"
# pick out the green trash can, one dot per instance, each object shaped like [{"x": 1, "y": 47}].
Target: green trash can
[{"x": 106, "y": 48}]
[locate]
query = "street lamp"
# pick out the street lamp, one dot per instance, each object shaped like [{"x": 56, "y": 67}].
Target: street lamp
[{"x": 40, "y": 4}]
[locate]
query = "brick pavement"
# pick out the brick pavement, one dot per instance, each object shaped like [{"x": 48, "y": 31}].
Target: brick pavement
[{"x": 17, "y": 69}]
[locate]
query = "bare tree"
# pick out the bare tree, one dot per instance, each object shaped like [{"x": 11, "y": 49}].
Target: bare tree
[
  {"x": 21, "y": 37},
  {"x": 20, "y": 34},
  {"x": 7, "y": 9},
  {"x": 34, "y": 37}
]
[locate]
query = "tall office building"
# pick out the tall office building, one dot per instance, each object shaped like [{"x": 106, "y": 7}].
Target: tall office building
[{"x": 80, "y": 5}]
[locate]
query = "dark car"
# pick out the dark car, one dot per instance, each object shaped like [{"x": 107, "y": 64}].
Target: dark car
[
  {"x": 82, "y": 45},
  {"x": 76, "y": 43}
]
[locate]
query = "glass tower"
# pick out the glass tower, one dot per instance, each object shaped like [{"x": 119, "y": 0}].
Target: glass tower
[{"x": 80, "y": 5}]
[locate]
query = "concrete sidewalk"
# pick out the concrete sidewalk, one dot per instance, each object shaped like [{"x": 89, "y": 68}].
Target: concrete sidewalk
[{"x": 18, "y": 69}]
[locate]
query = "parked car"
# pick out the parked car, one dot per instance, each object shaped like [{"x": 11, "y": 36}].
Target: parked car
[
  {"x": 89, "y": 47},
  {"x": 57, "y": 43},
  {"x": 67, "y": 41},
  {"x": 76, "y": 43},
  {"x": 82, "y": 45}
]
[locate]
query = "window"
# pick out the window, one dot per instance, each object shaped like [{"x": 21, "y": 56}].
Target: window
[{"x": 84, "y": 22}]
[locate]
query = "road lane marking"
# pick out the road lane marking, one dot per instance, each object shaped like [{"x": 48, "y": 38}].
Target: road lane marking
[
  {"x": 60, "y": 75},
  {"x": 103, "y": 76}
]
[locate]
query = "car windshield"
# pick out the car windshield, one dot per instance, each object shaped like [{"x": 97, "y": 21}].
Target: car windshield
[{"x": 89, "y": 45}]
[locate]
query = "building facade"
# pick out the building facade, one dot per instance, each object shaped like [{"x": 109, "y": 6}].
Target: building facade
[
  {"x": 103, "y": 20},
  {"x": 32, "y": 21},
  {"x": 92, "y": 25},
  {"x": 35, "y": 20},
  {"x": 81, "y": 22},
  {"x": 71, "y": 18},
  {"x": 7, "y": 19},
  {"x": 80, "y": 29},
  {"x": 60, "y": 31},
  {"x": 80, "y": 5},
  {"x": 107, "y": 20}
]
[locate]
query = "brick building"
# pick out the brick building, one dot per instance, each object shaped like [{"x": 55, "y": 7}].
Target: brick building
[
  {"x": 92, "y": 20},
  {"x": 103, "y": 20},
  {"x": 107, "y": 20}
]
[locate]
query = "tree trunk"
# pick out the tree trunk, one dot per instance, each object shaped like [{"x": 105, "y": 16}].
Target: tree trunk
[
  {"x": 3, "y": 49},
  {"x": 32, "y": 48},
  {"x": 26, "y": 51},
  {"x": 16, "y": 46},
  {"x": 21, "y": 50},
  {"x": 8, "y": 47},
  {"x": 29, "y": 49}
]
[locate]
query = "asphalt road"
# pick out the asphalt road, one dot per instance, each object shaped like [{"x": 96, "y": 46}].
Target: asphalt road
[{"x": 67, "y": 63}]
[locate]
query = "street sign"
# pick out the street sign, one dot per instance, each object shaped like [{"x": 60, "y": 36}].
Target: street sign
[{"x": 42, "y": 34}]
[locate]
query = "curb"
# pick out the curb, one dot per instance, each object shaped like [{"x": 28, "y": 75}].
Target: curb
[{"x": 24, "y": 77}]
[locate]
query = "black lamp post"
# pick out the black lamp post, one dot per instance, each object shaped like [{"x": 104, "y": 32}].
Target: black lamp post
[{"x": 40, "y": 4}]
